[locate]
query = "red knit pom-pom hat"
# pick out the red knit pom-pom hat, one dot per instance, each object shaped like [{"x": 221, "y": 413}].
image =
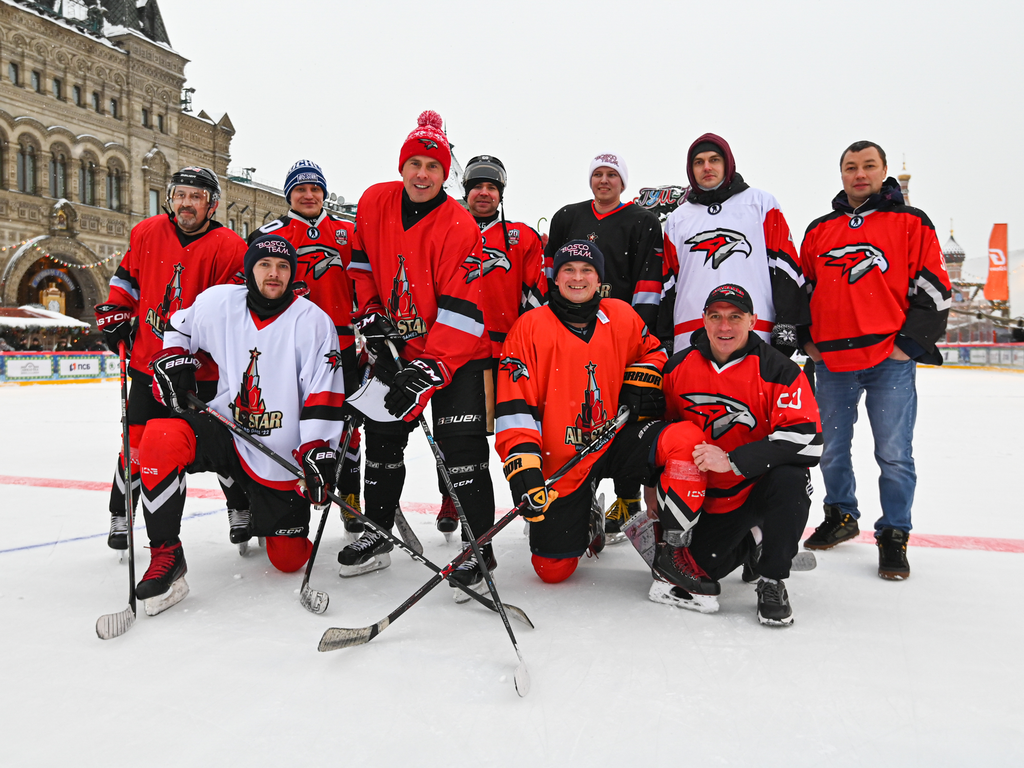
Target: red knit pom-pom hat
[{"x": 427, "y": 139}]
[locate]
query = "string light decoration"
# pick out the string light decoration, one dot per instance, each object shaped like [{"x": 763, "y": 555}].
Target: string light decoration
[{"x": 60, "y": 261}]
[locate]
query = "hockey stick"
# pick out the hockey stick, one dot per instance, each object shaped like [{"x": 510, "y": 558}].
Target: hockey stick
[
  {"x": 521, "y": 675},
  {"x": 337, "y": 637},
  {"x": 407, "y": 533},
  {"x": 115, "y": 624},
  {"x": 199, "y": 405},
  {"x": 314, "y": 600}
]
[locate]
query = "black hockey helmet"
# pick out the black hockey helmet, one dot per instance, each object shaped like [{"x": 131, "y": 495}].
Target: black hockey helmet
[
  {"x": 195, "y": 176},
  {"x": 485, "y": 168}
]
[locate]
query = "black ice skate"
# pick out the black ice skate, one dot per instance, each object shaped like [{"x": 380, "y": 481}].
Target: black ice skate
[
  {"x": 470, "y": 575},
  {"x": 447, "y": 518},
  {"x": 352, "y": 523},
  {"x": 164, "y": 583},
  {"x": 370, "y": 552},
  {"x": 118, "y": 536},
  {"x": 240, "y": 532},
  {"x": 677, "y": 565},
  {"x": 669, "y": 594}
]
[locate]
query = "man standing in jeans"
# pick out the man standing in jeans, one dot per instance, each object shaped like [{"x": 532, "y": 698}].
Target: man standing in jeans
[{"x": 880, "y": 298}]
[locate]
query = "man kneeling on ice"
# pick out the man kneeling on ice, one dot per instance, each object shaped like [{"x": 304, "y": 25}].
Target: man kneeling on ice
[
  {"x": 280, "y": 380},
  {"x": 759, "y": 431}
]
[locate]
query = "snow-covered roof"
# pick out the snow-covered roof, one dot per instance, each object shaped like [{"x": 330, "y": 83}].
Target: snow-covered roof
[
  {"x": 27, "y": 316},
  {"x": 952, "y": 251}
]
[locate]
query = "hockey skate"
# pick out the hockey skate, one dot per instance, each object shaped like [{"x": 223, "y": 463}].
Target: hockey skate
[
  {"x": 118, "y": 536},
  {"x": 370, "y": 552},
  {"x": 447, "y": 518},
  {"x": 598, "y": 532},
  {"x": 164, "y": 584},
  {"x": 353, "y": 525},
  {"x": 669, "y": 594},
  {"x": 615, "y": 519},
  {"x": 240, "y": 532},
  {"x": 469, "y": 574},
  {"x": 773, "y": 608},
  {"x": 677, "y": 565}
]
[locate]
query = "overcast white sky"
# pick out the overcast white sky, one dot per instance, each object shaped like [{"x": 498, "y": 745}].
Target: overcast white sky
[{"x": 546, "y": 85}]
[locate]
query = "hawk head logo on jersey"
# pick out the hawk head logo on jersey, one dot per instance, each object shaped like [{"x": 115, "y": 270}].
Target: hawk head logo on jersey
[
  {"x": 318, "y": 259},
  {"x": 592, "y": 416},
  {"x": 493, "y": 259},
  {"x": 158, "y": 316},
  {"x": 717, "y": 245},
  {"x": 333, "y": 360},
  {"x": 428, "y": 143},
  {"x": 719, "y": 413},
  {"x": 856, "y": 260},
  {"x": 516, "y": 368},
  {"x": 248, "y": 408},
  {"x": 401, "y": 309}
]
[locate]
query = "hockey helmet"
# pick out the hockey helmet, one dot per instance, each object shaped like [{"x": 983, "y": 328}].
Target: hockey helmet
[
  {"x": 485, "y": 168},
  {"x": 195, "y": 176}
]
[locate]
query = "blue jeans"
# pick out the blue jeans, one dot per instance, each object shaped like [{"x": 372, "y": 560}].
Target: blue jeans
[{"x": 890, "y": 395}]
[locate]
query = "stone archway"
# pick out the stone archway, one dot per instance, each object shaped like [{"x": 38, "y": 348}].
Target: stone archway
[{"x": 93, "y": 283}]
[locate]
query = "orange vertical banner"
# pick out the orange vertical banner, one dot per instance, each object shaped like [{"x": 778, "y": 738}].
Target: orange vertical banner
[{"x": 996, "y": 286}]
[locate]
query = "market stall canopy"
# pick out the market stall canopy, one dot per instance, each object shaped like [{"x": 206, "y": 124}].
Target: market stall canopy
[{"x": 30, "y": 318}]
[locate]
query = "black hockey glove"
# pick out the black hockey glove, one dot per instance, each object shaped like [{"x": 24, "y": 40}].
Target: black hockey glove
[
  {"x": 377, "y": 331},
  {"x": 784, "y": 338},
  {"x": 174, "y": 374},
  {"x": 526, "y": 481},
  {"x": 318, "y": 462},
  {"x": 641, "y": 392},
  {"x": 116, "y": 323},
  {"x": 413, "y": 386}
]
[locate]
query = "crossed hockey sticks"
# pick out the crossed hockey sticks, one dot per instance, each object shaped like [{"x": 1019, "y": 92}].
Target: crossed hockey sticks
[
  {"x": 202, "y": 407},
  {"x": 337, "y": 637},
  {"x": 115, "y": 624}
]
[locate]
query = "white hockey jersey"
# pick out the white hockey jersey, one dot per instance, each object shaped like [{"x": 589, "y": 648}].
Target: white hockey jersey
[
  {"x": 744, "y": 240},
  {"x": 280, "y": 379}
]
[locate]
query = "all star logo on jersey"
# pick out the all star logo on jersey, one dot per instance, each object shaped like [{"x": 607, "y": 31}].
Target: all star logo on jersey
[
  {"x": 157, "y": 317},
  {"x": 719, "y": 244},
  {"x": 592, "y": 414},
  {"x": 248, "y": 408},
  {"x": 720, "y": 413},
  {"x": 516, "y": 368},
  {"x": 401, "y": 309},
  {"x": 333, "y": 359},
  {"x": 493, "y": 259},
  {"x": 856, "y": 260},
  {"x": 318, "y": 259}
]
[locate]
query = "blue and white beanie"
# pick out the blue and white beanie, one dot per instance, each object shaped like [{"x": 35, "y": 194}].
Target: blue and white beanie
[{"x": 304, "y": 172}]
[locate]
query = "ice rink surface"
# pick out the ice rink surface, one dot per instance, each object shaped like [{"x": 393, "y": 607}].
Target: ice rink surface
[{"x": 921, "y": 673}]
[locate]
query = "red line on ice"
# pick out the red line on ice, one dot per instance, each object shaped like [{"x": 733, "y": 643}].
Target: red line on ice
[
  {"x": 948, "y": 542},
  {"x": 90, "y": 485}
]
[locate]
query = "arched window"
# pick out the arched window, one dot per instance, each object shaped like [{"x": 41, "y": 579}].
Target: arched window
[
  {"x": 115, "y": 177},
  {"x": 27, "y": 160},
  {"x": 58, "y": 174},
  {"x": 87, "y": 181}
]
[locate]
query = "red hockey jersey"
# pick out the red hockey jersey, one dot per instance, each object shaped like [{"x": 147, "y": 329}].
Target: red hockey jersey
[
  {"x": 758, "y": 407},
  {"x": 512, "y": 280},
  {"x": 416, "y": 276},
  {"x": 875, "y": 274},
  {"x": 324, "y": 249},
  {"x": 158, "y": 276},
  {"x": 555, "y": 389}
]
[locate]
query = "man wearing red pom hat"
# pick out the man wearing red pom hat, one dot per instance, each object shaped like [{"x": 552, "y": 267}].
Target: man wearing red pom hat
[{"x": 410, "y": 245}]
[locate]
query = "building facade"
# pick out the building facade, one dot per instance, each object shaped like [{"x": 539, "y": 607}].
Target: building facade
[{"x": 94, "y": 119}]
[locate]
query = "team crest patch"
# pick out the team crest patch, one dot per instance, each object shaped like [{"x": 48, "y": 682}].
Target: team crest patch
[
  {"x": 341, "y": 236},
  {"x": 717, "y": 245},
  {"x": 856, "y": 260},
  {"x": 248, "y": 407},
  {"x": 718, "y": 412},
  {"x": 515, "y": 367},
  {"x": 333, "y": 359},
  {"x": 157, "y": 317},
  {"x": 513, "y": 237},
  {"x": 592, "y": 415},
  {"x": 493, "y": 259}
]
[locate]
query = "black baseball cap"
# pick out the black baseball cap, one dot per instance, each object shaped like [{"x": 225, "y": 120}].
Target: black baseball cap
[{"x": 733, "y": 294}]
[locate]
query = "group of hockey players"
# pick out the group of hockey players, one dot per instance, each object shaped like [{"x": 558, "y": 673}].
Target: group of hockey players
[{"x": 541, "y": 345}]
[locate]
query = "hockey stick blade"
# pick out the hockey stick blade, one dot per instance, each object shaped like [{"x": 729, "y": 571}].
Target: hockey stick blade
[
  {"x": 336, "y": 637},
  {"x": 113, "y": 625},
  {"x": 407, "y": 533},
  {"x": 521, "y": 678},
  {"x": 314, "y": 600}
]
